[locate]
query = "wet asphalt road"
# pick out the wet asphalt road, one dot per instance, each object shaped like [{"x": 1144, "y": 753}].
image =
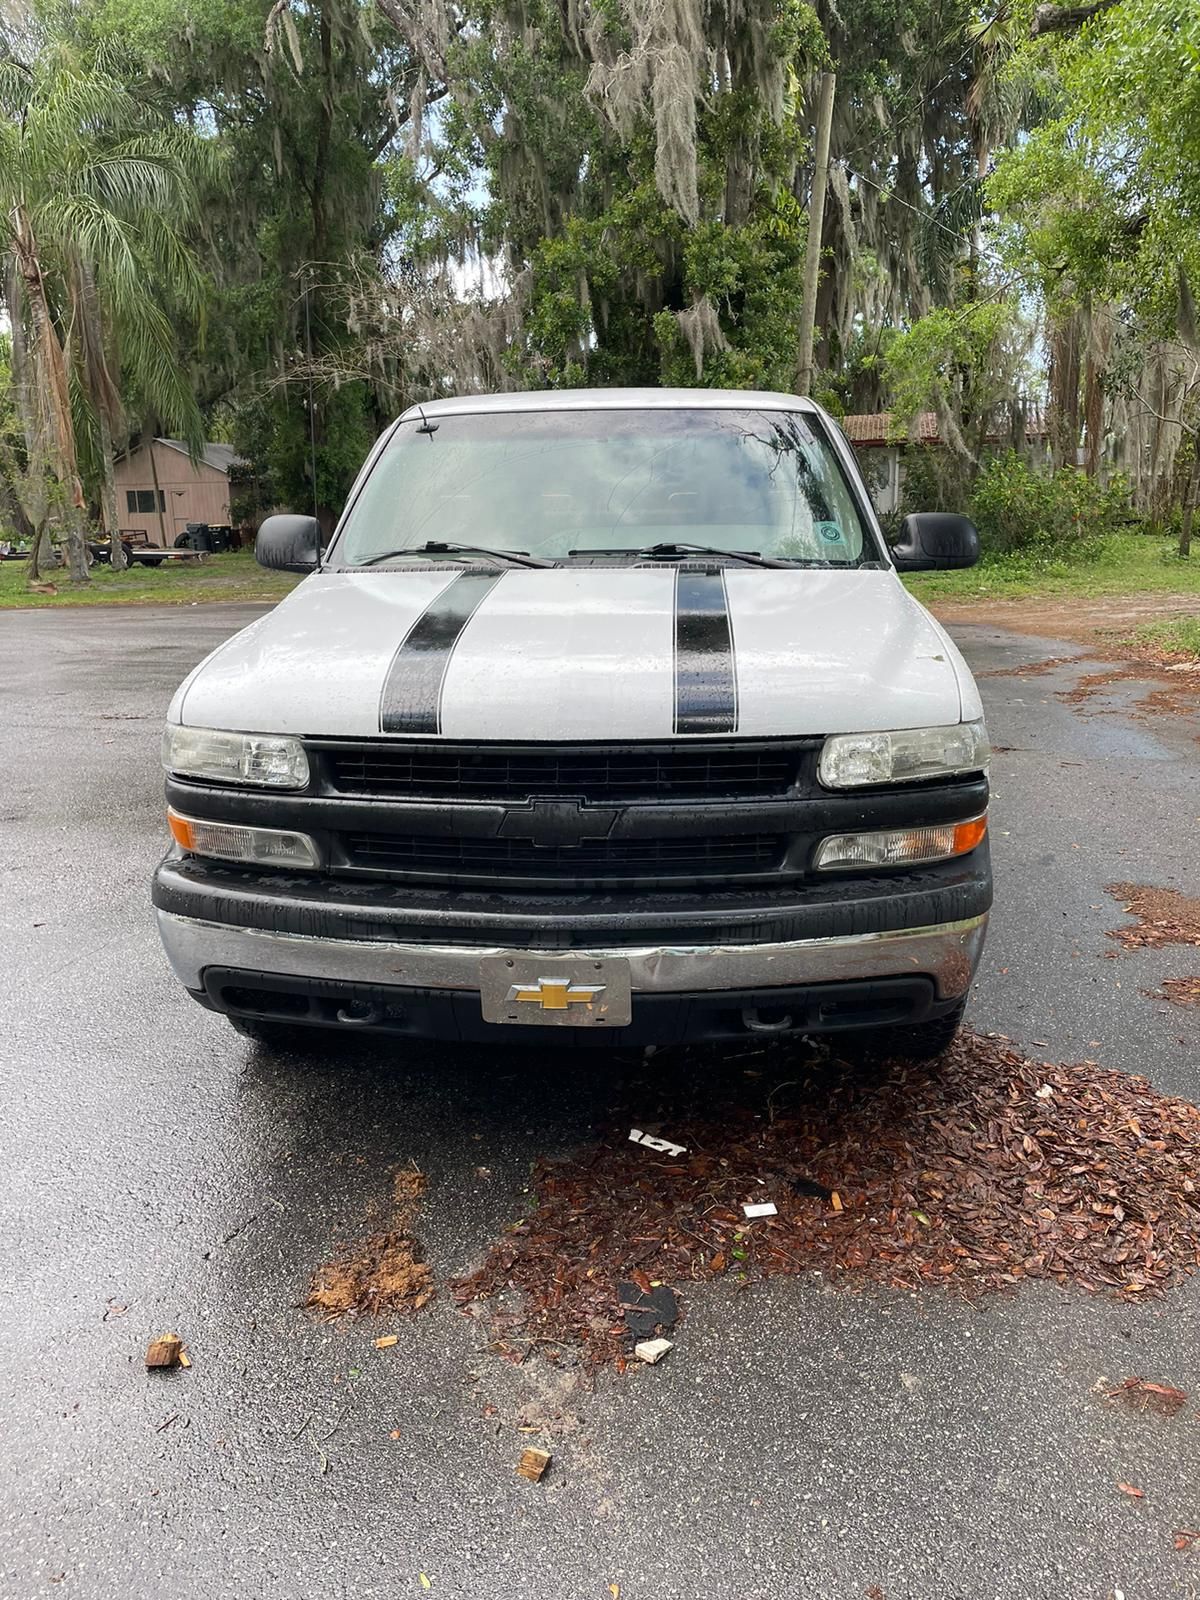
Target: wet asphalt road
[{"x": 800, "y": 1441}]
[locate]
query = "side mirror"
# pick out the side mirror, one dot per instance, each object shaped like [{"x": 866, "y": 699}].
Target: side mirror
[
  {"x": 934, "y": 541},
  {"x": 289, "y": 543}
]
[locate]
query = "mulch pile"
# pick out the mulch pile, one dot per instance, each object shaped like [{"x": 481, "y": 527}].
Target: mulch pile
[
  {"x": 1164, "y": 916},
  {"x": 975, "y": 1173},
  {"x": 384, "y": 1273}
]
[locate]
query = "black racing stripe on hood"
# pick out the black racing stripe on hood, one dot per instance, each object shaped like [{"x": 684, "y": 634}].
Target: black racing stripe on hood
[
  {"x": 705, "y": 671},
  {"x": 411, "y": 701}
]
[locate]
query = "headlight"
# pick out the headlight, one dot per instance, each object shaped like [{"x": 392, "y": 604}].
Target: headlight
[
  {"x": 232, "y": 841},
  {"x": 262, "y": 759},
  {"x": 854, "y": 760}
]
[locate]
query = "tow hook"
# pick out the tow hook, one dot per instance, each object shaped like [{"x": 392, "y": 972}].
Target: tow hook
[
  {"x": 359, "y": 1013},
  {"x": 757, "y": 1024}
]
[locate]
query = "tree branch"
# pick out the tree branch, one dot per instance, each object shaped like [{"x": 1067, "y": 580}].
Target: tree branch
[{"x": 1066, "y": 19}]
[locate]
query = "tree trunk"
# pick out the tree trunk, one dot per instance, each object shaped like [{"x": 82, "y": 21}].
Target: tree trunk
[
  {"x": 108, "y": 496},
  {"x": 159, "y": 497},
  {"x": 105, "y": 403},
  {"x": 1063, "y": 408},
  {"x": 51, "y": 359},
  {"x": 1189, "y": 502},
  {"x": 31, "y": 426},
  {"x": 1095, "y": 367}
]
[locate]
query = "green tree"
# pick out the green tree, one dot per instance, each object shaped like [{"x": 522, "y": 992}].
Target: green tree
[
  {"x": 971, "y": 366},
  {"x": 1102, "y": 211},
  {"x": 318, "y": 110},
  {"x": 93, "y": 184}
]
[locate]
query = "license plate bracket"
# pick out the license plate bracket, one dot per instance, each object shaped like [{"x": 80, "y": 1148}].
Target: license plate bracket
[{"x": 556, "y": 991}]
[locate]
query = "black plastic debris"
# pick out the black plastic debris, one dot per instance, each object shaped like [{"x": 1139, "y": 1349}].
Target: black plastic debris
[
  {"x": 810, "y": 1187},
  {"x": 646, "y": 1311}
]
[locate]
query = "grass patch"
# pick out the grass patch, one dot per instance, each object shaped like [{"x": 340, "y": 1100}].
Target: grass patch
[
  {"x": 1128, "y": 563},
  {"x": 1179, "y": 636},
  {"x": 234, "y": 575}
]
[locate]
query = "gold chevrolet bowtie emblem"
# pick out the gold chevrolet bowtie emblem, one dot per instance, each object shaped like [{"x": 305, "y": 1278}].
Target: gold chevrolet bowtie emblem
[{"x": 556, "y": 994}]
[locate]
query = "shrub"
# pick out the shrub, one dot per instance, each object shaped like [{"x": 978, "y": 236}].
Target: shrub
[{"x": 1064, "y": 515}]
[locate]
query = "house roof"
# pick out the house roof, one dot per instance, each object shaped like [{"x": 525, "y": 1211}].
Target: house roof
[
  {"x": 219, "y": 456},
  {"x": 876, "y": 428}
]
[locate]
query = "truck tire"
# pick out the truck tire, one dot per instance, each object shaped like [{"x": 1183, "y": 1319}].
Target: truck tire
[{"x": 921, "y": 1041}]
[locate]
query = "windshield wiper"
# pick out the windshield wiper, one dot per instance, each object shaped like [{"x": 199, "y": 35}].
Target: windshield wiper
[
  {"x": 667, "y": 552},
  {"x": 434, "y": 547}
]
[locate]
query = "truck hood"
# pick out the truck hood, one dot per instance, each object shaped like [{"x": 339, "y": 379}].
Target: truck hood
[{"x": 576, "y": 653}]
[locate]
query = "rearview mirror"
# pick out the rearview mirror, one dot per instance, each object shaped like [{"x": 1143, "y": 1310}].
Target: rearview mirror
[
  {"x": 935, "y": 541},
  {"x": 289, "y": 543}
]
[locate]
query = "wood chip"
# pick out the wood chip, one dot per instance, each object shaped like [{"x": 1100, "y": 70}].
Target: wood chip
[
  {"x": 165, "y": 1351},
  {"x": 835, "y": 1200},
  {"x": 533, "y": 1463},
  {"x": 388, "y": 1340}
]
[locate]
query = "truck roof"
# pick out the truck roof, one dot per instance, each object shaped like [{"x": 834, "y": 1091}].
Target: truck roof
[{"x": 615, "y": 400}]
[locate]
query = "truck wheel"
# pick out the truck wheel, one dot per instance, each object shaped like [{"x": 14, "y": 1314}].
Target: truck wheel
[
  {"x": 922, "y": 1041},
  {"x": 273, "y": 1035}
]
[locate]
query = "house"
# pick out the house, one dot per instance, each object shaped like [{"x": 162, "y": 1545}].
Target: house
[
  {"x": 159, "y": 490},
  {"x": 881, "y": 455}
]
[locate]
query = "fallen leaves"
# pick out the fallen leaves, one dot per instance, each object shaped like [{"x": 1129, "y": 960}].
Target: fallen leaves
[
  {"x": 959, "y": 1173},
  {"x": 1164, "y": 916},
  {"x": 1186, "y": 1538},
  {"x": 1179, "y": 991},
  {"x": 1142, "y": 1395},
  {"x": 1132, "y": 1491}
]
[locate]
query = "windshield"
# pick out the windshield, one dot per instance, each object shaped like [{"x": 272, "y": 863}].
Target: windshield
[{"x": 559, "y": 483}]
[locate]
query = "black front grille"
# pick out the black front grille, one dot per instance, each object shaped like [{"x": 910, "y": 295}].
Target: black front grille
[
  {"x": 604, "y": 860},
  {"x": 750, "y": 768}
]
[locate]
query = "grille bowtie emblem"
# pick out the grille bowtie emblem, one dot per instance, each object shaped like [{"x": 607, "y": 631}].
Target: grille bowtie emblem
[{"x": 557, "y": 822}]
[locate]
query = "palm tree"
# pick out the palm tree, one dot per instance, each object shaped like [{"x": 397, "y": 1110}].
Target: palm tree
[{"x": 96, "y": 188}]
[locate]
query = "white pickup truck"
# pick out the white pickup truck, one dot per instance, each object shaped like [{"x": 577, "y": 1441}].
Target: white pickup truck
[{"x": 604, "y": 711}]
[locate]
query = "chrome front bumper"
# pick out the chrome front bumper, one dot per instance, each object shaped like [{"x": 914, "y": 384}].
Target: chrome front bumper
[{"x": 948, "y": 952}]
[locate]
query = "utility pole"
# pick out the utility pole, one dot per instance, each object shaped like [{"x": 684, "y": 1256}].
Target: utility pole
[{"x": 816, "y": 222}]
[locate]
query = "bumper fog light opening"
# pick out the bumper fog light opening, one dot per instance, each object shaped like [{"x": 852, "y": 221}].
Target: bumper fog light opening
[
  {"x": 231, "y": 841},
  {"x": 896, "y": 847}
]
